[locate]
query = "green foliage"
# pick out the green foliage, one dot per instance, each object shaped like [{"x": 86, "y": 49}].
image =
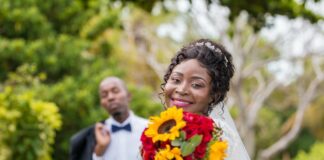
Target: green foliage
[
  {"x": 267, "y": 127},
  {"x": 11, "y": 56},
  {"x": 304, "y": 142},
  {"x": 143, "y": 4},
  {"x": 27, "y": 126},
  {"x": 25, "y": 77},
  {"x": 313, "y": 116},
  {"x": 55, "y": 56},
  {"x": 17, "y": 23},
  {"x": 99, "y": 23},
  {"x": 67, "y": 16},
  {"x": 259, "y": 9},
  {"x": 143, "y": 102},
  {"x": 47, "y": 34},
  {"x": 51, "y": 41},
  {"x": 316, "y": 152},
  {"x": 61, "y": 16}
]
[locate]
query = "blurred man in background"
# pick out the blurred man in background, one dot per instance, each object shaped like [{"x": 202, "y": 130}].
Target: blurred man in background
[{"x": 116, "y": 138}]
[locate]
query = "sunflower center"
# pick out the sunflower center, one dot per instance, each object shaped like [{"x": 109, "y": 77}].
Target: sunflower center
[{"x": 166, "y": 126}]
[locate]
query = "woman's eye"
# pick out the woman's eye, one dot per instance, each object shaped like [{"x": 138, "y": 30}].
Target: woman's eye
[
  {"x": 196, "y": 85},
  {"x": 175, "y": 80}
]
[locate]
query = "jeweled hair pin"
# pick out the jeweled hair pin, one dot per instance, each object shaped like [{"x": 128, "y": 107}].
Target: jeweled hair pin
[{"x": 212, "y": 47}]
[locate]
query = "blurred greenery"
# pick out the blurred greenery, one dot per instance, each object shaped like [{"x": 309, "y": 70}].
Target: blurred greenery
[
  {"x": 316, "y": 152},
  {"x": 266, "y": 124},
  {"x": 28, "y": 125},
  {"x": 54, "y": 54}
]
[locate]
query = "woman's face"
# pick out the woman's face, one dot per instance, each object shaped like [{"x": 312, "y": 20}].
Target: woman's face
[{"x": 189, "y": 87}]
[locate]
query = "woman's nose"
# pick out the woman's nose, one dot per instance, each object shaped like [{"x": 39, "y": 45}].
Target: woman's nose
[{"x": 182, "y": 89}]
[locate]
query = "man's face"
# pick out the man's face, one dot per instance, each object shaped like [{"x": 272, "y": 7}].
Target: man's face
[{"x": 114, "y": 97}]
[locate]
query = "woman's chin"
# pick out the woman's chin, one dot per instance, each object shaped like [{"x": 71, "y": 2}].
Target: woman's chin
[{"x": 185, "y": 108}]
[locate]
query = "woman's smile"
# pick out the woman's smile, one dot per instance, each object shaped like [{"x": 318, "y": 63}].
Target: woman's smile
[{"x": 180, "y": 102}]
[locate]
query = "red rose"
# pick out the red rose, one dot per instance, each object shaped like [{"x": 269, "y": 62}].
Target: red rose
[{"x": 190, "y": 157}]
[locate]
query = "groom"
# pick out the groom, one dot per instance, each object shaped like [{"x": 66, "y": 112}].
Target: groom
[{"x": 116, "y": 138}]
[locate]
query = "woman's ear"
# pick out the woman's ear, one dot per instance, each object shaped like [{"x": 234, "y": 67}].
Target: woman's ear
[{"x": 214, "y": 98}]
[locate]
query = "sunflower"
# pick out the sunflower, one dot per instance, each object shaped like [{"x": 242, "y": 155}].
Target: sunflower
[
  {"x": 167, "y": 154},
  {"x": 167, "y": 126},
  {"x": 218, "y": 150}
]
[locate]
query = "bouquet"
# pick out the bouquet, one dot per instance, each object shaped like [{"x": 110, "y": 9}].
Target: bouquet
[{"x": 180, "y": 135}]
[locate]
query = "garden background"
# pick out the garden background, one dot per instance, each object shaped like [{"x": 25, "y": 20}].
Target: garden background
[{"x": 54, "y": 53}]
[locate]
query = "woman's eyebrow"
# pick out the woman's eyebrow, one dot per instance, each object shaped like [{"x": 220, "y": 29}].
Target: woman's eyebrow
[
  {"x": 193, "y": 77},
  {"x": 177, "y": 73},
  {"x": 199, "y": 77}
]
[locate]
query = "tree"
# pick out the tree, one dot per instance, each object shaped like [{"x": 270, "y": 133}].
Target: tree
[{"x": 306, "y": 94}]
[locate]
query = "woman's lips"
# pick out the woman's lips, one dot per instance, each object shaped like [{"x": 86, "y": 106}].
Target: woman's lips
[{"x": 180, "y": 103}]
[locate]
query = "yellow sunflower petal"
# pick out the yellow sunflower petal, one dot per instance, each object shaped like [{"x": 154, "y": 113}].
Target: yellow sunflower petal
[
  {"x": 218, "y": 150},
  {"x": 157, "y": 130},
  {"x": 168, "y": 154}
]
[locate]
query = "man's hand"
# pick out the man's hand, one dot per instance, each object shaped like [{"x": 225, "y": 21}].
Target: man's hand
[{"x": 102, "y": 138}]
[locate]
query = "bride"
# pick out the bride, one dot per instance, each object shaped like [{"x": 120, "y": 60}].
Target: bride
[{"x": 197, "y": 80}]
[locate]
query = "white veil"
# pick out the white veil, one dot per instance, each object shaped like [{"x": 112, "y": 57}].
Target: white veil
[{"x": 236, "y": 150}]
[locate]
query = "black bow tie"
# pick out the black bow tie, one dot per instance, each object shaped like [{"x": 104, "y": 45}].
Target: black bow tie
[{"x": 115, "y": 128}]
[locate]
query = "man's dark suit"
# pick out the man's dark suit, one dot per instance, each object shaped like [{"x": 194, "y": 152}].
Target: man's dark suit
[{"x": 82, "y": 144}]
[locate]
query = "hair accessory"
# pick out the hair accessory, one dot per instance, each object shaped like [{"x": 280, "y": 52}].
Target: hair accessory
[
  {"x": 213, "y": 48},
  {"x": 199, "y": 43},
  {"x": 210, "y": 46}
]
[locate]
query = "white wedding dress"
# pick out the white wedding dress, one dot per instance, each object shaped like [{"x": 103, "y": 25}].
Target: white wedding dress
[{"x": 236, "y": 150}]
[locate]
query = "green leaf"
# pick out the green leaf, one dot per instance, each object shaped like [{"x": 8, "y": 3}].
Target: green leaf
[
  {"x": 187, "y": 148},
  {"x": 196, "y": 139},
  {"x": 176, "y": 142},
  {"x": 183, "y": 135}
]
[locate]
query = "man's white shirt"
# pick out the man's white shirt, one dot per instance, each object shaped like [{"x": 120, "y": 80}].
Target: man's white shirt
[{"x": 124, "y": 145}]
